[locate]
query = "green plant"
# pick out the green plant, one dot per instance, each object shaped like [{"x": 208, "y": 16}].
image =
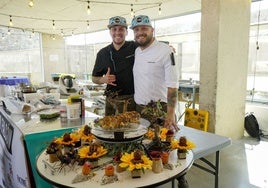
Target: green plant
[{"x": 154, "y": 112}]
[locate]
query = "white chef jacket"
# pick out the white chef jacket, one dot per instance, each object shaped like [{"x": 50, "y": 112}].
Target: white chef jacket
[{"x": 153, "y": 73}]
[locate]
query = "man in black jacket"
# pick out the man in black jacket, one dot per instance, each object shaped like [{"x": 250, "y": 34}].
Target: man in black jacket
[{"x": 113, "y": 66}]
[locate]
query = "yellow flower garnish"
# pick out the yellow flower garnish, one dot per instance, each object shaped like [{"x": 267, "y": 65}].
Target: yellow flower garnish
[
  {"x": 163, "y": 132},
  {"x": 150, "y": 134},
  {"x": 90, "y": 137},
  {"x": 74, "y": 138},
  {"x": 84, "y": 152},
  {"x": 127, "y": 162},
  {"x": 175, "y": 145}
]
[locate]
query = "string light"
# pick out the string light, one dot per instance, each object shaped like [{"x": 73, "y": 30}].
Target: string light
[
  {"x": 8, "y": 31},
  {"x": 159, "y": 9},
  {"x": 10, "y": 20},
  {"x": 87, "y": 24},
  {"x": 53, "y": 24},
  {"x": 131, "y": 10},
  {"x": 88, "y": 8},
  {"x": 31, "y": 3}
]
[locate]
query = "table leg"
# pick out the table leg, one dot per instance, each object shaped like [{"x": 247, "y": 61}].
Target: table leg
[
  {"x": 215, "y": 167},
  {"x": 217, "y": 162}
]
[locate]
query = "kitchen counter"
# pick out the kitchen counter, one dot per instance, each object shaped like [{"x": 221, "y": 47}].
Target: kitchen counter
[{"x": 22, "y": 138}]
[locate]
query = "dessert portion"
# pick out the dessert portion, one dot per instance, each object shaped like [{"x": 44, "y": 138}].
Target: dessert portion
[
  {"x": 137, "y": 157},
  {"x": 109, "y": 170},
  {"x": 183, "y": 141},
  {"x": 86, "y": 168},
  {"x": 169, "y": 135},
  {"x": 117, "y": 161},
  {"x": 119, "y": 121},
  {"x": 109, "y": 175}
]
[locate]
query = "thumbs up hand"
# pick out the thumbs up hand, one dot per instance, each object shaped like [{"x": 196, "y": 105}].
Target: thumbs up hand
[{"x": 109, "y": 78}]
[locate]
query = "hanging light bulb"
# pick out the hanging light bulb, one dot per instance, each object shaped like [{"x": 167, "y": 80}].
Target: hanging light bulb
[
  {"x": 88, "y": 8},
  {"x": 8, "y": 31},
  {"x": 31, "y": 3},
  {"x": 3, "y": 36},
  {"x": 10, "y": 20},
  {"x": 33, "y": 32},
  {"x": 159, "y": 9},
  {"x": 131, "y": 10},
  {"x": 53, "y": 24},
  {"x": 53, "y": 37},
  {"x": 72, "y": 33},
  {"x": 61, "y": 32},
  {"x": 87, "y": 24}
]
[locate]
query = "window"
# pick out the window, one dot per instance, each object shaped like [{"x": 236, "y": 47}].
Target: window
[{"x": 20, "y": 53}]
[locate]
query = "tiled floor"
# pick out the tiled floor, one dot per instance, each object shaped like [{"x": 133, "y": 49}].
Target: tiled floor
[{"x": 244, "y": 164}]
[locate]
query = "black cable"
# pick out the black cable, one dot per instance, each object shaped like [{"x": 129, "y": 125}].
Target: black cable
[
  {"x": 112, "y": 59},
  {"x": 187, "y": 105}
]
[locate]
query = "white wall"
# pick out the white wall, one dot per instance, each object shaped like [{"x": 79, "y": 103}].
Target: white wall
[{"x": 53, "y": 56}]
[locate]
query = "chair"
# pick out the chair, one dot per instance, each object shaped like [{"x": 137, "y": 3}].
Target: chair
[{"x": 197, "y": 119}]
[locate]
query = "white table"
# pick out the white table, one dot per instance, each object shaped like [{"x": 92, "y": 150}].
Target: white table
[
  {"x": 206, "y": 144},
  {"x": 148, "y": 179}
]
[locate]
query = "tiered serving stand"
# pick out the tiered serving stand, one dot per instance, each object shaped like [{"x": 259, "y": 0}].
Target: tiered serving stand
[{"x": 133, "y": 133}]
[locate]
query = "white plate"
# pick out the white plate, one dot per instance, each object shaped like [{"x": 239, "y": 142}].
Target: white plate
[
  {"x": 136, "y": 131},
  {"x": 127, "y": 134},
  {"x": 132, "y": 126}
]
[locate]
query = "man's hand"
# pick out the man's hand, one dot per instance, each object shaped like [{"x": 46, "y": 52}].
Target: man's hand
[
  {"x": 170, "y": 123},
  {"x": 109, "y": 78}
]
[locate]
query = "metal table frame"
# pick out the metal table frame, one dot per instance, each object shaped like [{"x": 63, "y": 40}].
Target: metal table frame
[{"x": 206, "y": 144}]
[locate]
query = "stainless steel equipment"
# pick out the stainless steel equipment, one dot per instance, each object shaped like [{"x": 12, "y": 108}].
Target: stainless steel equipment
[
  {"x": 189, "y": 91},
  {"x": 67, "y": 84}
]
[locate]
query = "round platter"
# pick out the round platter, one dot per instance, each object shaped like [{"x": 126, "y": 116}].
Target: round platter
[{"x": 133, "y": 133}]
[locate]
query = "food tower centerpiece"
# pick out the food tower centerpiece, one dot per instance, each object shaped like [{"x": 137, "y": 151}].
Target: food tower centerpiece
[{"x": 115, "y": 144}]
